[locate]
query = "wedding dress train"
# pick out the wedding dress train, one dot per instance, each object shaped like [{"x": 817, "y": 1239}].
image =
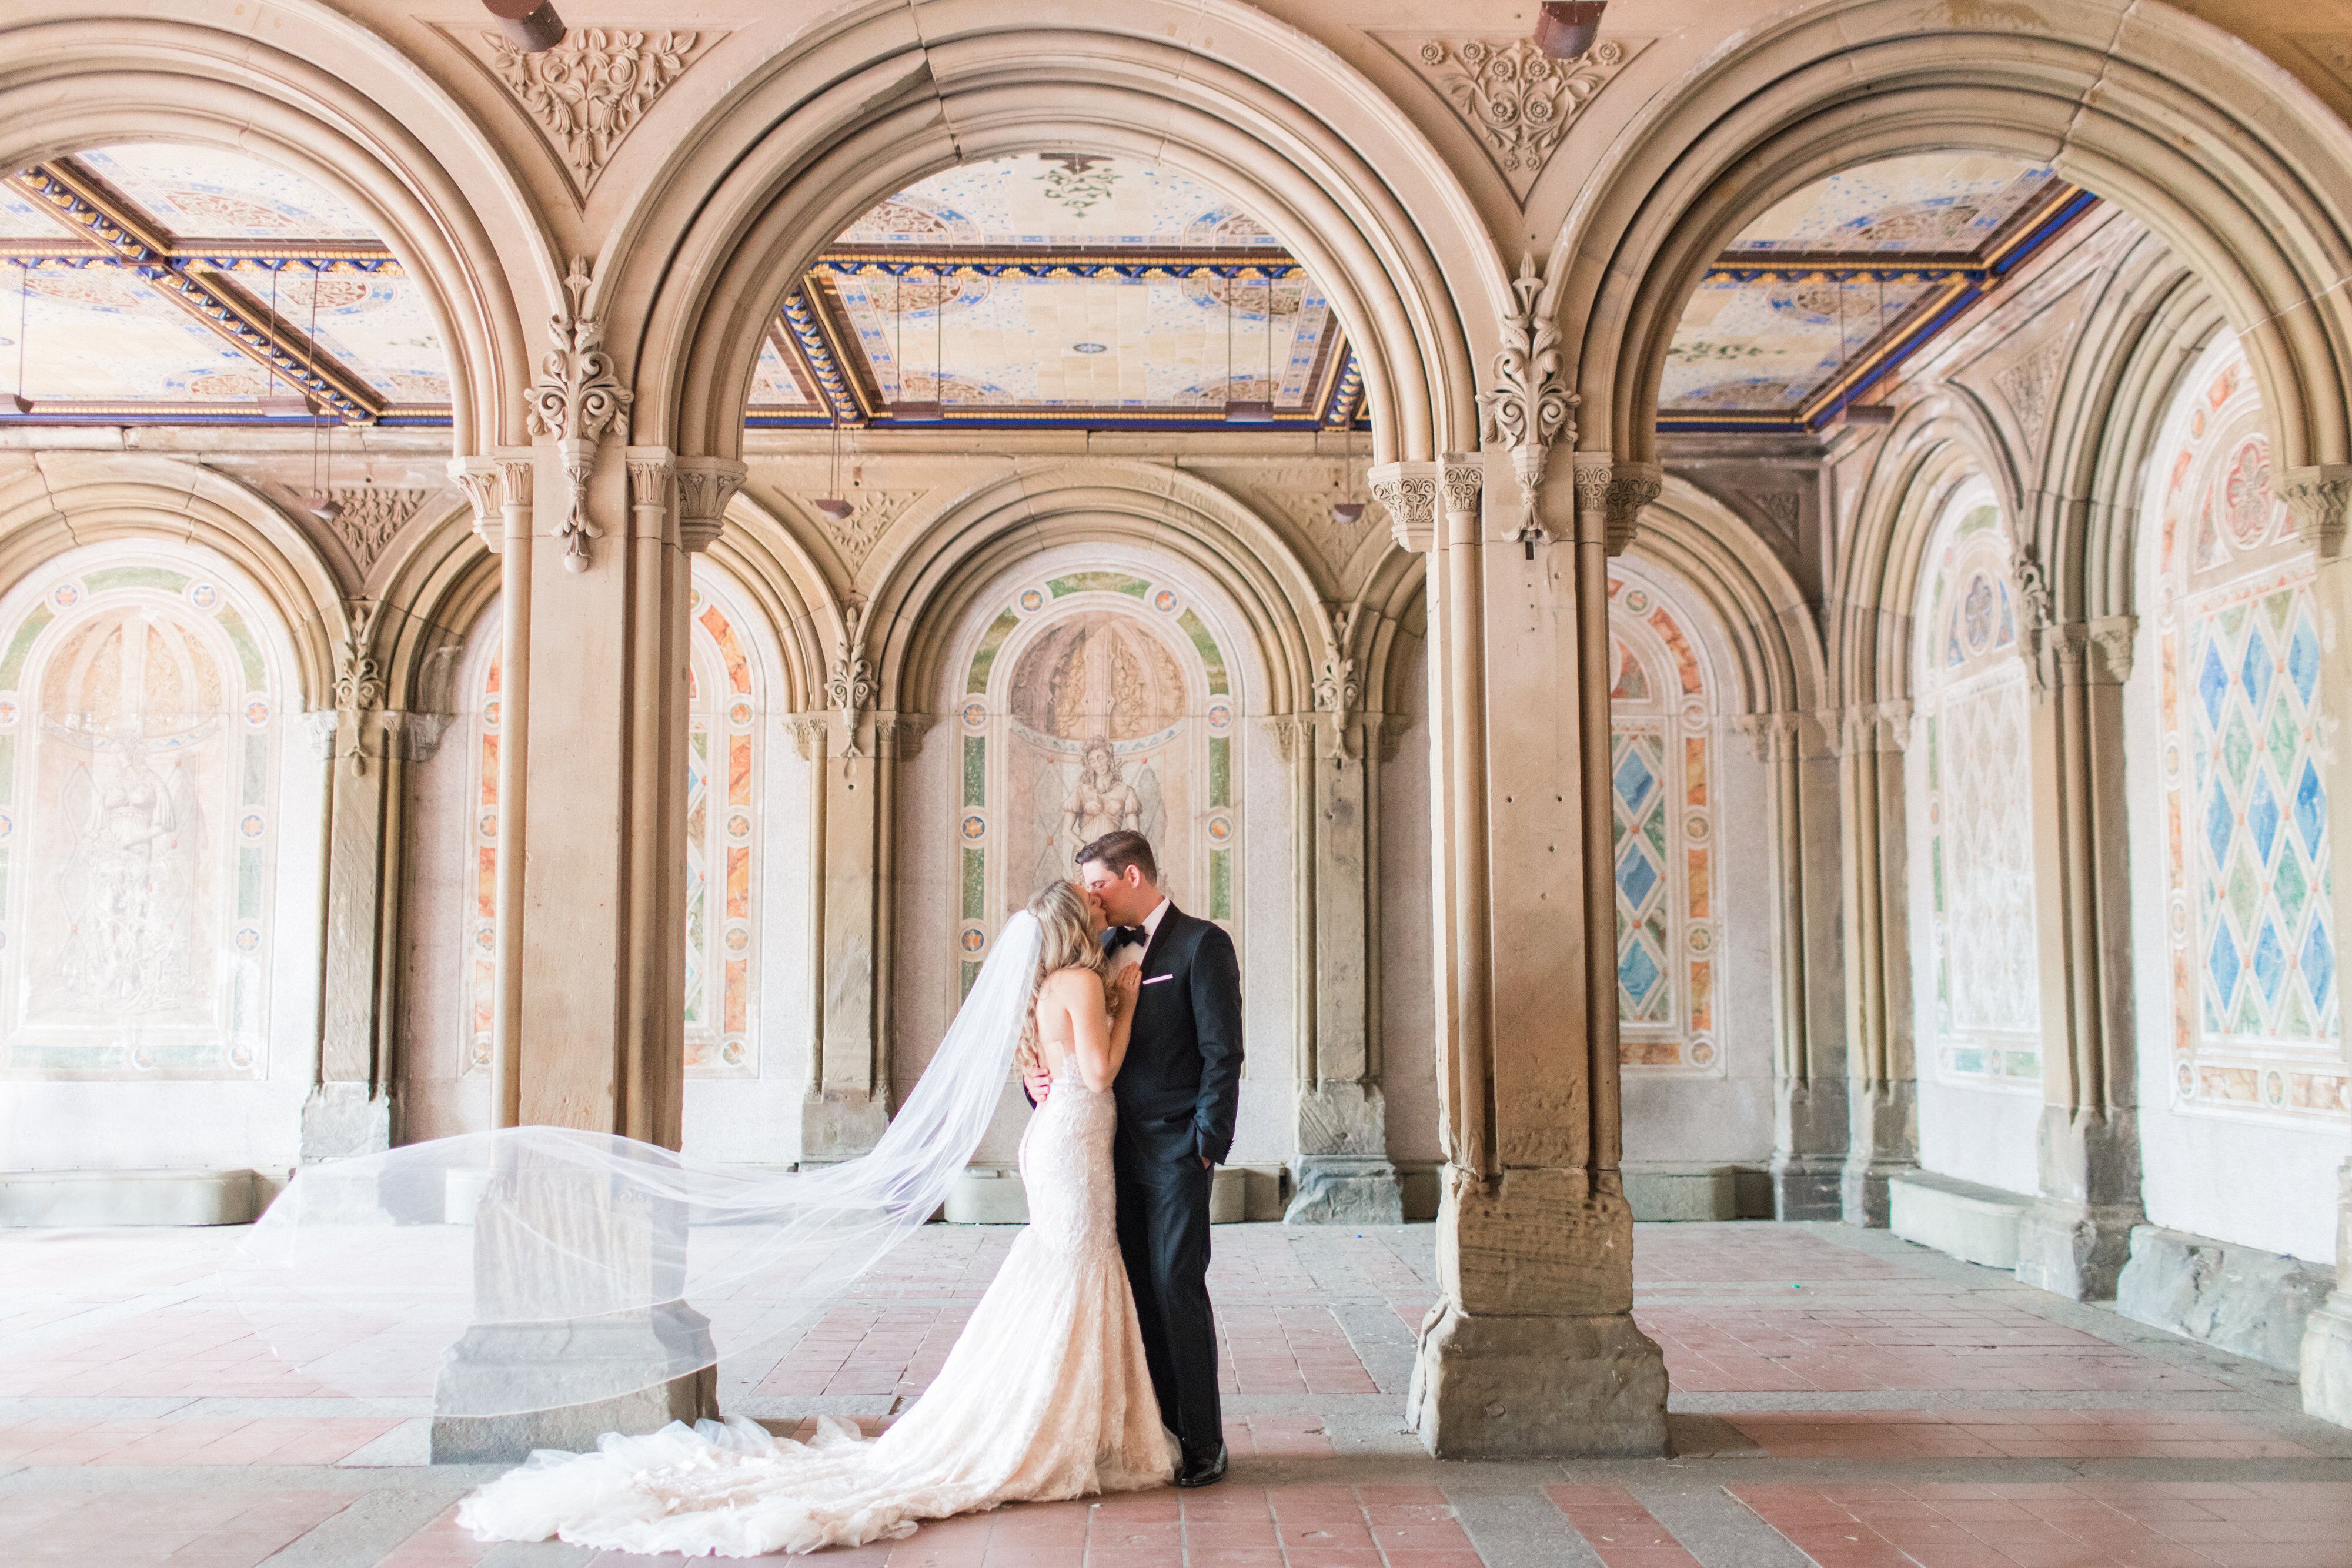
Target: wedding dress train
[{"x": 1044, "y": 1395}]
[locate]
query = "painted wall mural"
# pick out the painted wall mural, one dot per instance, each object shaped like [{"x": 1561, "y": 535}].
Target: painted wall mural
[
  {"x": 1669, "y": 876},
  {"x": 2252, "y": 954},
  {"x": 141, "y": 714},
  {"x": 1976, "y": 903},
  {"x": 726, "y": 712},
  {"x": 1095, "y": 700}
]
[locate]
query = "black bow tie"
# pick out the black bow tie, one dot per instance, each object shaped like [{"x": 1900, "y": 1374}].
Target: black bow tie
[{"x": 1121, "y": 936}]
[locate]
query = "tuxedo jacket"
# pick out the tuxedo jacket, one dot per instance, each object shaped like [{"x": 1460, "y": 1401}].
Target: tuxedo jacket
[{"x": 1180, "y": 1087}]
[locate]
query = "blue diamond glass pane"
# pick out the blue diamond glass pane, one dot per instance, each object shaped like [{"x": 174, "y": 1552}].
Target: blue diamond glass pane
[
  {"x": 2303, "y": 659},
  {"x": 2310, "y": 809},
  {"x": 2220, "y": 823},
  {"x": 1635, "y": 876},
  {"x": 1638, "y": 973},
  {"x": 2212, "y": 683},
  {"x": 2221, "y": 964},
  {"x": 2255, "y": 669},
  {"x": 2263, "y": 817},
  {"x": 2270, "y": 963},
  {"x": 1634, "y": 780},
  {"x": 2318, "y": 962}
]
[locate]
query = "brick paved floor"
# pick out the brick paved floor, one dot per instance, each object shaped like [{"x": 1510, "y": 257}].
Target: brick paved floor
[{"x": 1840, "y": 1398}]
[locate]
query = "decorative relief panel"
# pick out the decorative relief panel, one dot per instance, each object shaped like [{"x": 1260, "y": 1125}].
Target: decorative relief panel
[
  {"x": 140, "y": 716},
  {"x": 1979, "y": 822},
  {"x": 371, "y": 515},
  {"x": 1516, "y": 100},
  {"x": 1095, "y": 700},
  {"x": 871, "y": 514},
  {"x": 1669, "y": 876},
  {"x": 2255, "y": 1010},
  {"x": 726, "y": 721},
  {"x": 588, "y": 92},
  {"x": 2028, "y": 386}
]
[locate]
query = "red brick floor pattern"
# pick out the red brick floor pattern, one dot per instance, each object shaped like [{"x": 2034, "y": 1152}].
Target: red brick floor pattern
[
  {"x": 1619, "y": 1531},
  {"x": 1228, "y": 1527},
  {"x": 2065, "y": 1524},
  {"x": 175, "y": 1527},
  {"x": 1879, "y": 1435}
]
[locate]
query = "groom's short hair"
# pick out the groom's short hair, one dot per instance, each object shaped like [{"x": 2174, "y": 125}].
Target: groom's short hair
[{"x": 1115, "y": 851}]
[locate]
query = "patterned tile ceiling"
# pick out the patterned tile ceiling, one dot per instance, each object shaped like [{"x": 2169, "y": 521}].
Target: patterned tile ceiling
[
  {"x": 1058, "y": 289},
  {"x": 242, "y": 288},
  {"x": 1840, "y": 282}
]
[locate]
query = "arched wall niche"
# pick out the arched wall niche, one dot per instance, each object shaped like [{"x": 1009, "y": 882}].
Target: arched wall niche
[
  {"x": 1772, "y": 654},
  {"x": 1970, "y": 792},
  {"x": 2243, "y": 1087},
  {"x": 340, "y": 105},
  {"x": 2148, "y": 106},
  {"x": 163, "y": 793},
  {"x": 748, "y": 832},
  {"x": 829, "y": 122},
  {"x": 1097, "y": 638}
]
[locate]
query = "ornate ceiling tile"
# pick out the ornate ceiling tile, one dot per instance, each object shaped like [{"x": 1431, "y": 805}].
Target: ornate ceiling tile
[
  {"x": 1516, "y": 100},
  {"x": 586, "y": 94}
]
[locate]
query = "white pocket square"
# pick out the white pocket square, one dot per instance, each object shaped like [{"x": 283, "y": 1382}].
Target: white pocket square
[{"x": 1156, "y": 979}]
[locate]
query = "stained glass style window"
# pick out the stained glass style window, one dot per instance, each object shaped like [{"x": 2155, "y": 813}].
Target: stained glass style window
[
  {"x": 1661, "y": 737},
  {"x": 725, "y": 707},
  {"x": 2255, "y": 1007},
  {"x": 1975, "y": 764},
  {"x": 141, "y": 710}
]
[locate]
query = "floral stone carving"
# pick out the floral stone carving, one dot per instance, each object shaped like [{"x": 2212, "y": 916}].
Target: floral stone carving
[
  {"x": 588, "y": 92},
  {"x": 1518, "y": 102}
]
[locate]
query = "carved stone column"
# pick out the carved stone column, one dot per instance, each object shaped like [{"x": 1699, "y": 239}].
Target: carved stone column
[
  {"x": 353, "y": 1108},
  {"x": 1342, "y": 1168},
  {"x": 1531, "y": 1348},
  {"x": 856, "y": 750},
  {"x": 2322, "y": 499},
  {"x": 1809, "y": 1113},
  {"x": 2076, "y": 1237},
  {"x": 594, "y": 688},
  {"x": 1882, "y": 1092}
]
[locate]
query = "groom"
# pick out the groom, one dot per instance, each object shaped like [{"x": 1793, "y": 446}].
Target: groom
[{"x": 1177, "y": 1095}]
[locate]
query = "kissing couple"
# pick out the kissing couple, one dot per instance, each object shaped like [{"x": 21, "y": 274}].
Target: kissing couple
[{"x": 1090, "y": 1365}]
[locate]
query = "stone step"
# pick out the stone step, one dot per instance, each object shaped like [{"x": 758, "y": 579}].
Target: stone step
[
  {"x": 1975, "y": 1223},
  {"x": 135, "y": 1197}
]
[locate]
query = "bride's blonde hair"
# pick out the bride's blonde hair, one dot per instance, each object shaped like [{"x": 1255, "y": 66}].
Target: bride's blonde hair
[{"x": 1065, "y": 940}]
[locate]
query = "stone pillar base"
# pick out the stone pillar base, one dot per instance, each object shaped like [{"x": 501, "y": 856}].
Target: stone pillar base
[
  {"x": 1535, "y": 1387},
  {"x": 2075, "y": 1250},
  {"x": 841, "y": 1126},
  {"x": 1345, "y": 1189},
  {"x": 2327, "y": 1360},
  {"x": 1862, "y": 1191},
  {"x": 496, "y": 1364},
  {"x": 1806, "y": 1187},
  {"x": 344, "y": 1119}
]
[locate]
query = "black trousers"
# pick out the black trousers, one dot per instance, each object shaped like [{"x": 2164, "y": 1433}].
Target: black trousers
[{"x": 1163, "y": 1235}]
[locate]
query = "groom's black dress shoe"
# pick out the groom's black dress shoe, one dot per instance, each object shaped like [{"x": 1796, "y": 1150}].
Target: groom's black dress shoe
[{"x": 1202, "y": 1470}]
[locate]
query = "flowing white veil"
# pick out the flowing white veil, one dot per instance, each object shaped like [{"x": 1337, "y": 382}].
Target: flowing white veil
[{"x": 534, "y": 1268}]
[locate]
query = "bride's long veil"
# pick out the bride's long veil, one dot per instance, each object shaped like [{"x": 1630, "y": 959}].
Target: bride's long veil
[{"x": 534, "y": 1268}]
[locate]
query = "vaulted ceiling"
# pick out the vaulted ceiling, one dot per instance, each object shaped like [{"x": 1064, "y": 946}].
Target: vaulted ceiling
[
  {"x": 164, "y": 283},
  {"x": 1821, "y": 297},
  {"x": 1057, "y": 289}
]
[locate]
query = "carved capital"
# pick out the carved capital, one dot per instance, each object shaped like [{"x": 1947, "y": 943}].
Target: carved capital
[
  {"x": 1592, "y": 471},
  {"x": 1774, "y": 736},
  {"x": 1631, "y": 487},
  {"x": 1871, "y": 726},
  {"x": 1462, "y": 475},
  {"x": 359, "y": 680},
  {"x": 2318, "y": 496},
  {"x": 1292, "y": 734},
  {"x": 2111, "y": 646},
  {"x": 492, "y": 484},
  {"x": 900, "y": 735},
  {"x": 318, "y": 729},
  {"x": 809, "y": 731},
  {"x": 704, "y": 487},
  {"x": 850, "y": 689},
  {"x": 1408, "y": 492},
  {"x": 652, "y": 473}
]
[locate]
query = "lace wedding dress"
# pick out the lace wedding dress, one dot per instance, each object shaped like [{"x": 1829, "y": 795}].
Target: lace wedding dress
[{"x": 1044, "y": 1395}]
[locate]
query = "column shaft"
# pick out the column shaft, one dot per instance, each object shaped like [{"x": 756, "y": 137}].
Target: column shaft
[{"x": 1883, "y": 1116}]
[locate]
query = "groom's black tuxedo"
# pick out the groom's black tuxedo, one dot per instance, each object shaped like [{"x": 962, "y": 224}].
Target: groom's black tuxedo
[{"x": 1178, "y": 1091}]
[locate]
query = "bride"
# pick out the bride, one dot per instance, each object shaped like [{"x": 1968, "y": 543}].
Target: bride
[{"x": 1044, "y": 1395}]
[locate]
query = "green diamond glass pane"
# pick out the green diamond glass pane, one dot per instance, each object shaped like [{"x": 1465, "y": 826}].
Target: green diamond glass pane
[
  {"x": 2237, "y": 749},
  {"x": 2242, "y": 887},
  {"x": 2280, "y": 737},
  {"x": 2289, "y": 886}
]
